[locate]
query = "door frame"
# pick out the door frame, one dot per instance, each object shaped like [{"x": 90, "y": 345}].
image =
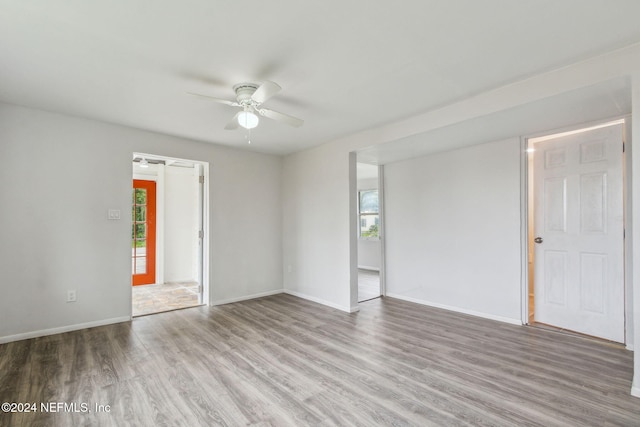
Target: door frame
[
  {"x": 382, "y": 232},
  {"x": 525, "y": 205},
  {"x": 354, "y": 226},
  {"x": 379, "y": 241},
  {"x": 205, "y": 212}
]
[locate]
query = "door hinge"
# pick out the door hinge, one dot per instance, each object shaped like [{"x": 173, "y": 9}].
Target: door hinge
[
  {"x": 623, "y": 147},
  {"x": 201, "y": 234},
  {"x": 201, "y": 179}
]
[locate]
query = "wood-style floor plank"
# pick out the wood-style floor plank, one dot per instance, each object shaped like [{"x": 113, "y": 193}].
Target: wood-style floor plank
[{"x": 284, "y": 361}]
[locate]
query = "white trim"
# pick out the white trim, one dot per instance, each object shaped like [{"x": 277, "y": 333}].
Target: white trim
[
  {"x": 321, "y": 301},
  {"x": 458, "y": 309},
  {"x": 524, "y": 230},
  {"x": 247, "y": 297},
  {"x": 63, "y": 329},
  {"x": 366, "y": 267},
  {"x": 628, "y": 230},
  {"x": 629, "y": 347},
  {"x": 354, "y": 234},
  {"x": 177, "y": 282},
  {"x": 382, "y": 232},
  {"x": 634, "y": 228},
  {"x": 160, "y": 208},
  {"x": 635, "y": 391},
  {"x": 288, "y": 292},
  {"x": 159, "y": 178},
  {"x": 206, "y": 248}
]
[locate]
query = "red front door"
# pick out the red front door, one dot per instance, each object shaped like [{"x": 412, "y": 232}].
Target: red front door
[{"x": 143, "y": 233}]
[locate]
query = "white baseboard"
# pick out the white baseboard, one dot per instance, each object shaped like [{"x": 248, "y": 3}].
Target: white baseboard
[
  {"x": 635, "y": 391},
  {"x": 247, "y": 297},
  {"x": 175, "y": 282},
  {"x": 63, "y": 329},
  {"x": 366, "y": 267},
  {"x": 458, "y": 309},
  {"x": 321, "y": 301}
]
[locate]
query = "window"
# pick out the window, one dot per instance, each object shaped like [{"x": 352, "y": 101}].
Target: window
[{"x": 368, "y": 213}]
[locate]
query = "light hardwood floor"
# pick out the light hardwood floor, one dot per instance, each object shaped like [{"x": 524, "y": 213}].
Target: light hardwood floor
[
  {"x": 368, "y": 284},
  {"x": 284, "y": 361}
]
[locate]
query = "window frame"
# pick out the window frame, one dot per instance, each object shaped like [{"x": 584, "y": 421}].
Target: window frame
[{"x": 365, "y": 214}]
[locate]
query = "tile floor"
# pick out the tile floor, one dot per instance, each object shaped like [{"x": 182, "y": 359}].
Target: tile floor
[{"x": 149, "y": 299}]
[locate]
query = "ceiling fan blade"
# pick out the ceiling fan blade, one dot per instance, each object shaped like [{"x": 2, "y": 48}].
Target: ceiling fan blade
[
  {"x": 281, "y": 117},
  {"x": 221, "y": 101},
  {"x": 265, "y": 91},
  {"x": 233, "y": 124}
]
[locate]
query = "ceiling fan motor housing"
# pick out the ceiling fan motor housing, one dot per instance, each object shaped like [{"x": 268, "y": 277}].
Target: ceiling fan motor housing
[
  {"x": 249, "y": 97},
  {"x": 244, "y": 92}
]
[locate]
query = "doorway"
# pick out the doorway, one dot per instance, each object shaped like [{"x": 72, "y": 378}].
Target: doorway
[
  {"x": 369, "y": 232},
  {"x": 179, "y": 277},
  {"x": 576, "y": 231}
]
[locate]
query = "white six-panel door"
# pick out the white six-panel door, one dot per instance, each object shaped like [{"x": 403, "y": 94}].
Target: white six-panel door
[{"x": 579, "y": 260}]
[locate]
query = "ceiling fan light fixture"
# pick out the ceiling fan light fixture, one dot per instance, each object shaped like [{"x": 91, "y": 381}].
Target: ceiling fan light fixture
[
  {"x": 249, "y": 98},
  {"x": 247, "y": 119}
]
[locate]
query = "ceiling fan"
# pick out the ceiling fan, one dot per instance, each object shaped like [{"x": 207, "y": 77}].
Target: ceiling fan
[{"x": 249, "y": 97}]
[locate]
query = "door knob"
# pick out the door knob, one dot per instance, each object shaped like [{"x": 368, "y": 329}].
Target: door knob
[{"x": 538, "y": 240}]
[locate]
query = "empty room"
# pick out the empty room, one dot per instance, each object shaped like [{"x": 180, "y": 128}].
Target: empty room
[{"x": 319, "y": 213}]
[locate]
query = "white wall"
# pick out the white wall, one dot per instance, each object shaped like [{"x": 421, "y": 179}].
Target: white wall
[
  {"x": 369, "y": 254},
  {"x": 180, "y": 224},
  {"x": 316, "y": 238},
  {"x": 55, "y": 236},
  {"x": 367, "y": 183},
  {"x": 316, "y": 232},
  {"x": 453, "y": 230}
]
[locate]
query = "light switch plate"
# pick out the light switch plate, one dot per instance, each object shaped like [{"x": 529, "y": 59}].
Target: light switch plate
[{"x": 114, "y": 214}]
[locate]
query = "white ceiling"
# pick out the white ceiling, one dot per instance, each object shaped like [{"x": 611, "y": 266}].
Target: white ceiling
[
  {"x": 344, "y": 66},
  {"x": 587, "y": 105}
]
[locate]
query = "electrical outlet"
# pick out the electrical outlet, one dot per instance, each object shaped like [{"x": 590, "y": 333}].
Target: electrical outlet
[{"x": 71, "y": 295}]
